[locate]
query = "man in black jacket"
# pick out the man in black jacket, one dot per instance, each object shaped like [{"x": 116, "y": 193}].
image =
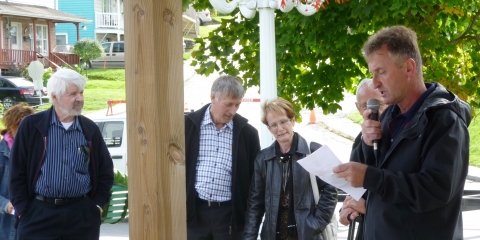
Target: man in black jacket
[
  {"x": 220, "y": 151},
  {"x": 415, "y": 191},
  {"x": 61, "y": 171}
]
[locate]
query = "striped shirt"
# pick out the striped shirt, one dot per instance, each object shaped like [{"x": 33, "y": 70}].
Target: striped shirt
[
  {"x": 64, "y": 173},
  {"x": 214, "y": 166}
]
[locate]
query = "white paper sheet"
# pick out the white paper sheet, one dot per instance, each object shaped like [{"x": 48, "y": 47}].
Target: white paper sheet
[{"x": 321, "y": 163}]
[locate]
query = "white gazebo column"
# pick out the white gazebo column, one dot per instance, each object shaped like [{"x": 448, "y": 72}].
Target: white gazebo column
[{"x": 268, "y": 62}]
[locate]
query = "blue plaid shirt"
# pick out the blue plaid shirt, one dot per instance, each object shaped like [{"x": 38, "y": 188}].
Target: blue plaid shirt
[
  {"x": 214, "y": 166},
  {"x": 64, "y": 172}
]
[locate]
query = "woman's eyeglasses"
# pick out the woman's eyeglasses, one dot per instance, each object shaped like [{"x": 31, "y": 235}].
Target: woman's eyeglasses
[{"x": 282, "y": 123}]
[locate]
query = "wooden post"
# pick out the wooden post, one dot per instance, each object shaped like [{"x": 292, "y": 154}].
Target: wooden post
[
  {"x": 156, "y": 156},
  {"x": 78, "y": 31}
]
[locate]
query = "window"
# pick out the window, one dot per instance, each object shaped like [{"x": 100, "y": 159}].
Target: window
[
  {"x": 112, "y": 133},
  {"x": 42, "y": 39},
  {"x": 118, "y": 48},
  {"x": 61, "y": 39}
]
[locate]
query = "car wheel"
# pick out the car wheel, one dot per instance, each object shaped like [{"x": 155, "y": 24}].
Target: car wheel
[{"x": 7, "y": 103}]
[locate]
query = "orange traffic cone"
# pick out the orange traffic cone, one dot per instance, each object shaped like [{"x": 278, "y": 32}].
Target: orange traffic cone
[{"x": 313, "y": 120}]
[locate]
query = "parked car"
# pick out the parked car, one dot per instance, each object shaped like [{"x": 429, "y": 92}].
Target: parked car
[
  {"x": 114, "y": 56},
  {"x": 16, "y": 89},
  {"x": 113, "y": 129},
  {"x": 204, "y": 16}
]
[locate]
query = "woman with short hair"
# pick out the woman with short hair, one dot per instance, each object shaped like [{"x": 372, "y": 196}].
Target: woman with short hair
[
  {"x": 11, "y": 119},
  {"x": 281, "y": 188}
]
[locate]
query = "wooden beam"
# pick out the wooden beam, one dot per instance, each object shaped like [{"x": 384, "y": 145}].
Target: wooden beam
[
  {"x": 156, "y": 139},
  {"x": 49, "y": 24},
  {"x": 34, "y": 22},
  {"x": 78, "y": 31}
]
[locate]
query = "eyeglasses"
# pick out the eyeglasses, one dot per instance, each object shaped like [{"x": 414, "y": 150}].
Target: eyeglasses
[{"x": 281, "y": 123}]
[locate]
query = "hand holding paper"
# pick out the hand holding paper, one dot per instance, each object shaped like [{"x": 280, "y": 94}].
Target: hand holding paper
[{"x": 322, "y": 162}]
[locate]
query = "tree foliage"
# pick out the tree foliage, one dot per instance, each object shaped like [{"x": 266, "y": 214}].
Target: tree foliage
[
  {"x": 318, "y": 57},
  {"x": 88, "y": 49}
]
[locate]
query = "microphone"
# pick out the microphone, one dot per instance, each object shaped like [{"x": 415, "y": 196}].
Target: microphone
[{"x": 374, "y": 104}]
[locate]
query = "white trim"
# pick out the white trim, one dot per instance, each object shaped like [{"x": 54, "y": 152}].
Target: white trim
[{"x": 42, "y": 16}]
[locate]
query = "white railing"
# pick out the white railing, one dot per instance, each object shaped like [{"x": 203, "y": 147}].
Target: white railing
[{"x": 109, "y": 20}]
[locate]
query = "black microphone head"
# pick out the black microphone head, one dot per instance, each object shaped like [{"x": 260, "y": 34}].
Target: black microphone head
[{"x": 373, "y": 104}]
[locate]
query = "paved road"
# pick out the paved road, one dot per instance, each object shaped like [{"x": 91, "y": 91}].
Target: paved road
[{"x": 197, "y": 89}]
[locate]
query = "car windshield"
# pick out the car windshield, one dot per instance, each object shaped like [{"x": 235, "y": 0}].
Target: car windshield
[{"x": 20, "y": 82}]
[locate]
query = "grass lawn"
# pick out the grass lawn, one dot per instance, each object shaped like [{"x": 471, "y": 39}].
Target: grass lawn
[
  {"x": 474, "y": 130},
  {"x": 102, "y": 85}
]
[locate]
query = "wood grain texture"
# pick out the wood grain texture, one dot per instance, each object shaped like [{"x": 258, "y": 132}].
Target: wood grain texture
[{"x": 154, "y": 75}]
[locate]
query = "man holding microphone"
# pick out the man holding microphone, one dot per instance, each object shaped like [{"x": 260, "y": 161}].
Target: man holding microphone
[{"x": 415, "y": 180}]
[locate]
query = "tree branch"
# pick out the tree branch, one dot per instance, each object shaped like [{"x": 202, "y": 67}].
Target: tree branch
[{"x": 469, "y": 28}]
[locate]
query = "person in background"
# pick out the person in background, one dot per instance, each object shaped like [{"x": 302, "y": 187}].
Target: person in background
[
  {"x": 61, "y": 171},
  {"x": 281, "y": 188},
  {"x": 11, "y": 119},
  {"x": 352, "y": 208},
  {"x": 415, "y": 189},
  {"x": 220, "y": 148}
]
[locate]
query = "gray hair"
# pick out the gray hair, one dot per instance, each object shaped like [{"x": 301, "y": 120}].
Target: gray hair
[
  {"x": 401, "y": 44},
  {"x": 58, "y": 82},
  {"x": 366, "y": 82},
  {"x": 229, "y": 86}
]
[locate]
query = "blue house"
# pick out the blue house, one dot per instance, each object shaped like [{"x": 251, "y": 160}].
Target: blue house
[{"x": 107, "y": 24}]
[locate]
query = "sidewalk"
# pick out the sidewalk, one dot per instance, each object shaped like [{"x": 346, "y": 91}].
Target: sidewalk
[{"x": 339, "y": 123}]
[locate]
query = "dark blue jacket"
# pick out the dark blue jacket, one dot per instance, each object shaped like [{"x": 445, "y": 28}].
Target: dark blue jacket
[
  {"x": 28, "y": 154},
  {"x": 6, "y": 220}
]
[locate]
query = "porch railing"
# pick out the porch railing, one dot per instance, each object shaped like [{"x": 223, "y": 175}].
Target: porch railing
[
  {"x": 109, "y": 20},
  {"x": 13, "y": 57}
]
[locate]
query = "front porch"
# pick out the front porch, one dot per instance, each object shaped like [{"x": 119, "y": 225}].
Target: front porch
[{"x": 12, "y": 58}]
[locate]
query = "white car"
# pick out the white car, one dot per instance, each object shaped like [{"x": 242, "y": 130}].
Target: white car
[
  {"x": 113, "y": 129},
  {"x": 204, "y": 16}
]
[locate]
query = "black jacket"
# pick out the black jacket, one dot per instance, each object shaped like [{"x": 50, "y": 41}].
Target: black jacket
[
  {"x": 246, "y": 145},
  {"x": 416, "y": 191},
  {"x": 311, "y": 218},
  {"x": 28, "y": 154}
]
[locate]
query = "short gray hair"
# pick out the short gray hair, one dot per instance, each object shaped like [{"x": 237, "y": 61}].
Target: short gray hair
[
  {"x": 228, "y": 85},
  {"x": 401, "y": 44},
  {"x": 366, "y": 82},
  {"x": 58, "y": 82}
]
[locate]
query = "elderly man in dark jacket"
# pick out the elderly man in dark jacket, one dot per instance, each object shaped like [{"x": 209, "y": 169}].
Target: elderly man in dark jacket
[
  {"x": 415, "y": 190},
  {"x": 220, "y": 150},
  {"x": 61, "y": 171}
]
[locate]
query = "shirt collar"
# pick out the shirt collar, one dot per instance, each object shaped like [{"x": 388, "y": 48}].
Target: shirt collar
[
  {"x": 416, "y": 106},
  {"x": 55, "y": 121},
  {"x": 207, "y": 119}
]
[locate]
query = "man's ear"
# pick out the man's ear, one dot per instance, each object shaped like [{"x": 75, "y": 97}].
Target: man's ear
[
  {"x": 358, "y": 107},
  {"x": 212, "y": 97},
  {"x": 411, "y": 67}
]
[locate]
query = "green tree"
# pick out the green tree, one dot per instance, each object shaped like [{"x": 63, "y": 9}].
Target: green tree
[
  {"x": 318, "y": 57},
  {"x": 88, "y": 49}
]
